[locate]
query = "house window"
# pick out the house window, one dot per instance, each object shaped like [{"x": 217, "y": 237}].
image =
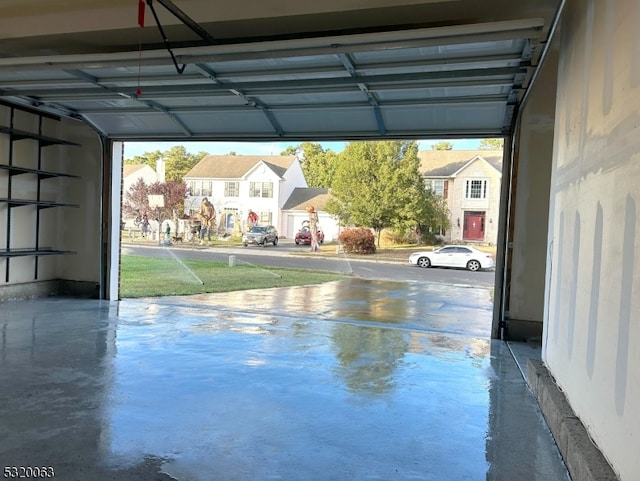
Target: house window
[
  {"x": 261, "y": 189},
  {"x": 265, "y": 218},
  {"x": 196, "y": 187},
  {"x": 476, "y": 189},
  {"x": 206, "y": 187},
  {"x": 439, "y": 187},
  {"x": 231, "y": 189}
]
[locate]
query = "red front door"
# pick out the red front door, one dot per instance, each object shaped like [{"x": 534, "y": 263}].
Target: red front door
[{"x": 473, "y": 226}]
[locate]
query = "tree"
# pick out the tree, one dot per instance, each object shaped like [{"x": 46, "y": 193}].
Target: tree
[
  {"x": 317, "y": 163},
  {"x": 422, "y": 211},
  {"x": 148, "y": 158},
  {"x": 374, "y": 182},
  {"x": 178, "y": 162},
  {"x": 442, "y": 146},
  {"x": 136, "y": 200},
  {"x": 491, "y": 144}
]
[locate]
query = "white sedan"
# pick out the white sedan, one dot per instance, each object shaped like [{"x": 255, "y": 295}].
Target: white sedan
[{"x": 453, "y": 256}]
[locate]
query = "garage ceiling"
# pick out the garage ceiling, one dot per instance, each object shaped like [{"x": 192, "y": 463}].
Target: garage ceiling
[{"x": 249, "y": 71}]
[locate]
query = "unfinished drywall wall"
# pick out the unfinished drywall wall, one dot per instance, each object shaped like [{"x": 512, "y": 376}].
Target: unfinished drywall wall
[
  {"x": 49, "y": 202},
  {"x": 592, "y": 318},
  {"x": 83, "y": 225},
  {"x": 533, "y": 159}
]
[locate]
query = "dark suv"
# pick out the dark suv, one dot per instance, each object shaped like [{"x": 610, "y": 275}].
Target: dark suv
[{"x": 261, "y": 235}]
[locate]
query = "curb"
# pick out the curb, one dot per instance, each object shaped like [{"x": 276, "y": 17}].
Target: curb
[{"x": 583, "y": 458}]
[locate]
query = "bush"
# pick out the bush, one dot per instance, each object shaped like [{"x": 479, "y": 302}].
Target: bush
[
  {"x": 358, "y": 241},
  {"x": 430, "y": 238},
  {"x": 397, "y": 237}
]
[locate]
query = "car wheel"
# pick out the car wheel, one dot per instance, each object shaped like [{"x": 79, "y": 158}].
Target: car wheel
[
  {"x": 275, "y": 241},
  {"x": 473, "y": 265},
  {"x": 246, "y": 245},
  {"x": 297, "y": 242},
  {"x": 424, "y": 262},
  {"x": 264, "y": 243}
]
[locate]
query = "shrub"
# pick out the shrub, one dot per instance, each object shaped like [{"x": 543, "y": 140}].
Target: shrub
[
  {"x": 397, "y": 237},
  {"x": 430, "y": 238},
  {"x": 358, "y": 241}
]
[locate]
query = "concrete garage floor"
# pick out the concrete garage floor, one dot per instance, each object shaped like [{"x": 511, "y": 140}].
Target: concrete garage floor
[{"x": 351, "y": 380}]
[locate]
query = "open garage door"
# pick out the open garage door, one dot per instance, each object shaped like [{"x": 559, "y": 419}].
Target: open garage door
[
  {"x": 417, "y": 78},
  {"x": 185, "y": 70}
]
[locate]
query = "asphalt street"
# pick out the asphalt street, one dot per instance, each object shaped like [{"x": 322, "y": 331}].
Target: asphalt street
[{"x": 287, "y": 254}]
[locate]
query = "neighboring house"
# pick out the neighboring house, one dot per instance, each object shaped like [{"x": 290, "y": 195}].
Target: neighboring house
[
  {"x": 470, "y": 182},
  {"x": 294, "y": 212},
  {"x": 132, "y": 173},
  {"x": 236, "y": 184}
]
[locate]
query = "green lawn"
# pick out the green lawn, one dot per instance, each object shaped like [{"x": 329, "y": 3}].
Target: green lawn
[{"x": 151, "y": 277}]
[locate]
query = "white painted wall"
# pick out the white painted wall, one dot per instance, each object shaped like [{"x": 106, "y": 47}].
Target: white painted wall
[
  {"x": 293, "y": 178},
  {"x": 117, "y": 157},
  {"x": 592, "y": 316},
  {"x": 262, "y": 173}
]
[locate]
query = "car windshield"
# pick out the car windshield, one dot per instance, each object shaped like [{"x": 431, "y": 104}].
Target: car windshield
[{"x": 258, "y": 229}]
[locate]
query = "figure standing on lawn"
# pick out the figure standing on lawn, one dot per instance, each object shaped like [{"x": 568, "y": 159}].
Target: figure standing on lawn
[
  {"x": 313, "y": 227},
  {"x": 144, "y": 224},
  {"x": 207, "y": 216}
]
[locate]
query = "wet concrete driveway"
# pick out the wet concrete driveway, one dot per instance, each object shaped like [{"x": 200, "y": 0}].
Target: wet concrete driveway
[{"x": 351, "y": 380}]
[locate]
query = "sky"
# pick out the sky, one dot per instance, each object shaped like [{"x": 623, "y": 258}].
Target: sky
[{"x": 131, "y": 149}]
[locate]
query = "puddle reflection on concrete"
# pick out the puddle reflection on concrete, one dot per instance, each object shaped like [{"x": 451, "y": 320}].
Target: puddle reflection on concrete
[{"x": 348, "y": 380}]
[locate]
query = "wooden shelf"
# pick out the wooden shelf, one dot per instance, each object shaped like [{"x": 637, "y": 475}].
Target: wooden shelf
[
  {"x": 17, "y": 134},
  {"x": 41, "y": 204},
  {"x": 32, "y": 252},
  {"x": 39, "y": 174},
  {"x": 42, "y": 174}
]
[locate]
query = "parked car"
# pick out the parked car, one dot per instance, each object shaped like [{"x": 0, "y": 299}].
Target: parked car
[
  {"x": 261, "y": 235},
  {"x": 304, "y": 236},
  {"x": 453, "y": 256}
]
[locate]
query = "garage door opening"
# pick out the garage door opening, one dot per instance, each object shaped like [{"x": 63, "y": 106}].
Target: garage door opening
[{"x": 278, "y": 189}]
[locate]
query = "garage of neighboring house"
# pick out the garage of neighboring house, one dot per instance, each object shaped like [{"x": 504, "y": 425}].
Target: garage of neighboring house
[{"x": 557, "y": 79}]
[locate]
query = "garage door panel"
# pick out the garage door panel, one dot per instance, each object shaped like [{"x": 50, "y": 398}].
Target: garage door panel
[
  {"x": 438, "y": 118},
  {"x": 307, "y": 121}
]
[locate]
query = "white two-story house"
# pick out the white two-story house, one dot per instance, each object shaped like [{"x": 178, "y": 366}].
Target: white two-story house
[
  {"x": 470, "y": 182},
  {"x": 236, "y": 184}
]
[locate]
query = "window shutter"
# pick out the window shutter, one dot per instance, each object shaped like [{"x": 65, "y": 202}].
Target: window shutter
[{"x": 445, "y": 191}]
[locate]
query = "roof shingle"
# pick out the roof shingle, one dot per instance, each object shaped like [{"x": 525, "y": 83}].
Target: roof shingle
[
  {"x": 445, "y": 163},
  {"x": 301, "y": 197},
  {"x": 236, "y": 166}
]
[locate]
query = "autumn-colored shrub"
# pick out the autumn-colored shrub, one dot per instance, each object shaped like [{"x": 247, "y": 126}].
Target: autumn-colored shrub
[{"x": 358, "y": 241}]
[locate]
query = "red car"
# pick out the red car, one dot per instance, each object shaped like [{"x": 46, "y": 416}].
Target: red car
[{"x": 304, "y": 236}]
